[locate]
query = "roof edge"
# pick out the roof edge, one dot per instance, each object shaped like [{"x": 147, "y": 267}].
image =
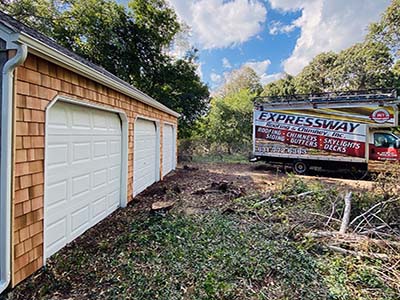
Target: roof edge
[{"x": 39, "y": 48}]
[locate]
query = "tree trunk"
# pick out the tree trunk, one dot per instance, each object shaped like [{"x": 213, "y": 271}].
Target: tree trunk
[{"x": 346, "y": 214}]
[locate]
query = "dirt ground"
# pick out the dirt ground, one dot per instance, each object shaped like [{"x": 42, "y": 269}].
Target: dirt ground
[
  {"x": 194, "y": 188},
  {"x": 200, "y": 187}
]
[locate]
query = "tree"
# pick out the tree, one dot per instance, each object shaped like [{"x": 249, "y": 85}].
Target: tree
[
  {"x": 243, "y": 78},
  {"x": 178, "y": 85},
  {"x": 281, "y": 87},
  {"x": 387, "y": 30},
  {"x": 39, "y": 14},
  {"x": 316, "y": 77},
  {"x": 363, "y": 66},
  {"x": 130, "y": 43},
  {"x": 229, "y": 122}
]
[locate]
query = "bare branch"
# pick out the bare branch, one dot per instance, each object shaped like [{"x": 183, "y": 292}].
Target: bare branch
[{"x": 372, "y": 208}]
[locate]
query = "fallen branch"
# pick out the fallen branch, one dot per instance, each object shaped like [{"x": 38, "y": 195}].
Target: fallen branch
[
  {"x": 332, "y": 213},
  {"x": 330, "y": 218},
  {"x": 351, "y": 238},
  {"x": 358, "y": 253},
  {"x": 300, "y": 195},
  {"x": 264, "y": 201},
  {"x": 372, "y": 208}
]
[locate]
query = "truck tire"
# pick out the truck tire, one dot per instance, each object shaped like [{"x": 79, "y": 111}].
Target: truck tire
[{"x": 300, "y": 167}]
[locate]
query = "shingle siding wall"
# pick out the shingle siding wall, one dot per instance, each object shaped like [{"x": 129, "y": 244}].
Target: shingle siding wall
[{"x": 37, "y": 83}]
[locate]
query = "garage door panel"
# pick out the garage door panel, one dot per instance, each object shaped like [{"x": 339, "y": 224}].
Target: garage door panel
[
  {"x": 56, "y": 192},
  {"x": 83, "y": 171},
  {"x": 56, "y": 236},
  {"x": 100, "y": 122},
  {"x": 81, "y": 151},
  {"x": 58, "y": 119},
  {"x": 113, "y": 174},
  {"x": 80, "y": 116},
  {"x": 168, "y": 149},
  {"x": 145, "y": 154},
  {"x": 80, "y": 184},
  {"x": 79, "y": 219},
  {"x": 115, "y": 147},
  {"x": 99, "y": 178},
  {"x": 113, "y": 200},
  {"x": 100, "y": 149},
  {"x": 56, "y": 211},
  {"x": 99, "y": 208},
  {"x": 57, "y": 155}
]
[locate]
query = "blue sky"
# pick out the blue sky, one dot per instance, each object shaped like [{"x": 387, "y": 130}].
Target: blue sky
[{"x": 271, "y": 36}]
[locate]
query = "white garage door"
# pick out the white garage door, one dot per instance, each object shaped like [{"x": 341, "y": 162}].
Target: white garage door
[
  {"x": 168, "y": 149},
  {"x": 146, "y": 147},
  {"x": 83, "y": 168}
]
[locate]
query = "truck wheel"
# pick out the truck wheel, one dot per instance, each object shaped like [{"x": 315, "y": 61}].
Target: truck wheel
[{"x": 300, "y": 167}]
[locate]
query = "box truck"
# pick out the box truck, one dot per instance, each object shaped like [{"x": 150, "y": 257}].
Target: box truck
[{"x": 352, "y": 130}]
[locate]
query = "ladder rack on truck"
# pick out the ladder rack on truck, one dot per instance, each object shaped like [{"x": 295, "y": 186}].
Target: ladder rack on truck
[
  {"x": 327, "y": 130},
  {"x": 376, "y": 95}
]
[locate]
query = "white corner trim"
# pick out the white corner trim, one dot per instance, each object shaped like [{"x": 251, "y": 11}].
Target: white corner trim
[
  {"x": 39, "y": 48},
  {"x": 147, "y": 118},
  {"x": 124, "y": 152},
  {"x": 7, "y": 122}
]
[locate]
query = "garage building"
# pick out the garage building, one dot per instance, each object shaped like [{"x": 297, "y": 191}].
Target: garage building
[{"x": 77, "y": 143}]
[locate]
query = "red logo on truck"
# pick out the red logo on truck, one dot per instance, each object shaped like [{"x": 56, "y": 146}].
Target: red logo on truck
[{"x": 380, "y": 116}]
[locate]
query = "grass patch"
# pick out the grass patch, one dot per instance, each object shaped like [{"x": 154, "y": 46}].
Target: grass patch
[{"x": 213, "y": 257}]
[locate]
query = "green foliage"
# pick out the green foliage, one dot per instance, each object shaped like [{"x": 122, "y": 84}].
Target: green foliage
[
  {"x": 282, "y": 87},
  {"x": 212, "y": 257},
  {"x": 387, "y": 30},
  {"x": 316, "y": 77},
  {"x": 227, "y": 127},
  {"x": 178, "y": 86},
  {"x": 292, "y": 186},
  {"x": 130, "y": 43},
  {"x": 229, "y": 122},
  {"x": 363, "y": 66},
  {"x": 237, "y": 80},
  {"x": 39, "y": 14},
  {"x": 351, "y": 278}
]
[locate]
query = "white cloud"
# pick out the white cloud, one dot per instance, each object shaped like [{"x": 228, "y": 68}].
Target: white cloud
[
  {"x": 261, "y": 69},
  {"x": 216, "y": 78},
  {"x": 271, "y": 77},
  {"x": 327, "y": 25},
  {"x": 276, "y": 27},
  {"x": 219, "y": 23},
  {"x": 226, "y": 64}
]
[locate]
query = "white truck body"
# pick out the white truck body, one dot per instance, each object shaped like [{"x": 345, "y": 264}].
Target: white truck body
[{"x": 317, "y": 130}]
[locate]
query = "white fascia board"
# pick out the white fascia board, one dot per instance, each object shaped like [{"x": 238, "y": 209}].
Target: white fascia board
[{"x": 43, "y": 50}]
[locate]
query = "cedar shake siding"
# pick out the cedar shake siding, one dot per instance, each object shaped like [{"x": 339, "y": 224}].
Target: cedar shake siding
[
  {"x": 37, "y": 83},
  {"x": 51, "y": 73}
]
